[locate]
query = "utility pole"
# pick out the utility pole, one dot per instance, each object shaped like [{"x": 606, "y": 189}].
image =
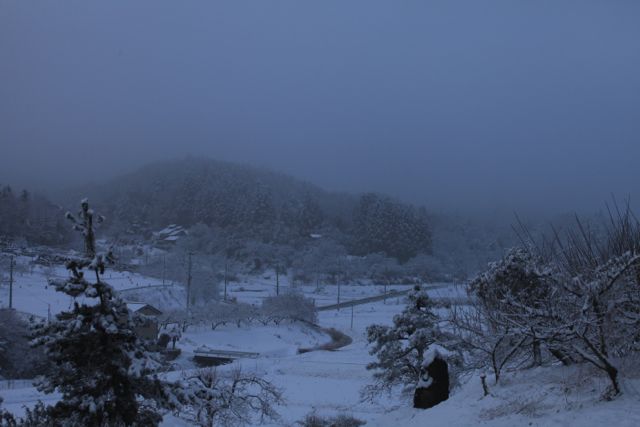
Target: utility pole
[
  {"x": 189, "y": 282},
  {"x": 352, "y": 316},
  {"x": 226, "y": 267},
  {"x": 385, "y": 291},
  {"x": 11, "y": 282},
  {"x": 164, "y": 268},
  {"x": 277, "y": 280},
  {"x": 340, "y": 273}
]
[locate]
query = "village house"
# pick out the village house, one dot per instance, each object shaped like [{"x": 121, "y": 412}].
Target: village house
[{"x": 149, "y": 329}]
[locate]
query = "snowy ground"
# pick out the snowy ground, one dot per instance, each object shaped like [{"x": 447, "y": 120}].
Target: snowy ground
[
  {"x": 32, "y": 294},
  {"x": 330, "y": 382},
  {"x": 553, "y": 397},
  {"x": 253, "y": 290},
  {"x": 270, "y": 342}
]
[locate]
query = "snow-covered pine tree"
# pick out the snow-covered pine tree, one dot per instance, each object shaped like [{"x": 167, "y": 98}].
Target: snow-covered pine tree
[
  {"x": 17, "y": 360},
  {"x": 400, "y": 349},
  {"x": 6, "y": 419},
  {"x": 101, "y": 368}
]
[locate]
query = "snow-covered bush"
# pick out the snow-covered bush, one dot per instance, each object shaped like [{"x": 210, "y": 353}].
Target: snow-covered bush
[
  {"x": 103, "y": 370},
  {"x": 170, "y": 333},
  {"x": 220, "y": 313},
  {"x": 579, "y": 296},
  {"x": 504, "y": 295},
  {"x": 17, "y": 359},
  {"x": 290, "y": 306},
  {"x": 228, "y": 398},
  {"x": 400, "y": 349},
  {"x": 315, "y": 420},
  {"x": 212, "y": 314}
]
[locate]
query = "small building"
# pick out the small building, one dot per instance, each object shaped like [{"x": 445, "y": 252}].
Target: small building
[
  {"x": 149, "y": 329},
  {"x": 168, "y": 236}
]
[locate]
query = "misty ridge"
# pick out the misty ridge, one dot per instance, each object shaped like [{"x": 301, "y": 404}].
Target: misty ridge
[
  {"x": 263, "y": 220},
  {"x": 320, "y": 214}
]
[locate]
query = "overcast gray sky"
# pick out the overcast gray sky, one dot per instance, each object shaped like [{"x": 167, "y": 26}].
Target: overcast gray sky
[{"x": 447, "y": 103}]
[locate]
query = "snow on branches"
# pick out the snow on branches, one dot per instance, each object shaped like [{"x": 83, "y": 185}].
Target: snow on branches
[
  {"x": 401, "y": 349},
  {"x": 229, "y": 398},
  {"x": 103, "y": 370},
  {"x": 578, "y": 298}
]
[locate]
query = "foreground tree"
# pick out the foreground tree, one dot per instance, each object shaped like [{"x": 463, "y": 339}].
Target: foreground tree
[
  {"x": 498, "y": 330},
  {"x": 400, "y": 349},
  {"x": 231, "y": 398},
  {"x": 101, "y": 368},
  {"x": 577, "y": 296}
]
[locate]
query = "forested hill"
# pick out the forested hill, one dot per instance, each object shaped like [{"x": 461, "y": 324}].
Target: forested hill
[
  {"x": 255, "y": 215},
  {"x": 256, "y": 204},
  {"x": 32, "y": 217}
]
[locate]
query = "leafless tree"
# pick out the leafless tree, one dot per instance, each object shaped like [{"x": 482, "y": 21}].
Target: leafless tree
[{"x": 234, "y": 398}]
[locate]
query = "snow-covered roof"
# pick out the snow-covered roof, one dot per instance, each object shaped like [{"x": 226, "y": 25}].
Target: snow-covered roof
[
  {"x": 138, "y": 306},
  {"x": 169, "y": 229},
  {"x": 170, "y": 233}
]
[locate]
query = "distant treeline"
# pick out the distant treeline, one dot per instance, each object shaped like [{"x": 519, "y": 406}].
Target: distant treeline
[
  {"x": 262, "y": 219},
  {"x": 27, "y": 216},
  {"x": 259, "y": 205}
]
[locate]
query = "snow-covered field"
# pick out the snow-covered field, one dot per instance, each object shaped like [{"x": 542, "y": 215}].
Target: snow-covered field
[
  {"x": 253, "y": 290},
  {"x": 32, "y": 293},
  {"x": 329, "y": 382}
]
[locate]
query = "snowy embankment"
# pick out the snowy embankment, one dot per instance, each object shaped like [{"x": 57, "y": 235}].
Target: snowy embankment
[
  {"x": 268, "y": 341},
  {"x": 549, "y": 397}
]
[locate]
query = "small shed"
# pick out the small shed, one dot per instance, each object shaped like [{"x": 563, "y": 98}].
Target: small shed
[{"x": 149, "y": 329}]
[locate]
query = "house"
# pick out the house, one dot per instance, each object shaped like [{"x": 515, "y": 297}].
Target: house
[
  {"x": 168, "y": 236},
  {"x": 149, "y": 329}
]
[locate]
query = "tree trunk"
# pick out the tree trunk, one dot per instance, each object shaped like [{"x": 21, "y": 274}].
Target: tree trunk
[
  {"x": 485, "y": 387},
  {"x": 612, "y": 372},
  {"x": 563, "y": 357},
  {"x": 537, "y": 353}
]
